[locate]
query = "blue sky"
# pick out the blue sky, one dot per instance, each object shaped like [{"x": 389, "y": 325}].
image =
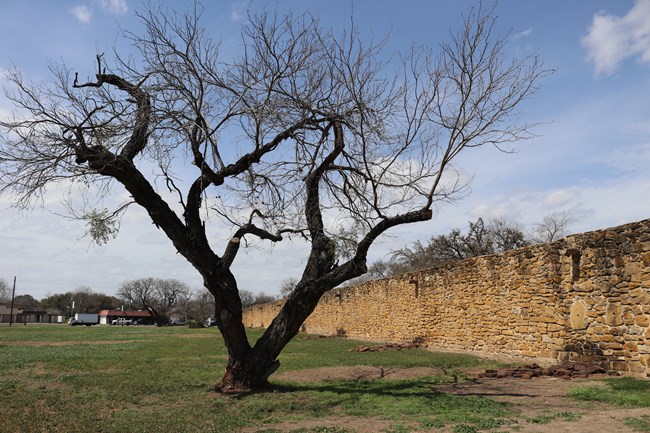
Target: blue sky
[{"x": 590, "y": 158}]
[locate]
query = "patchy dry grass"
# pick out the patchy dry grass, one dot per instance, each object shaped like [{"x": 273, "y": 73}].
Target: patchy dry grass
[{"x": 144, "y": 379}]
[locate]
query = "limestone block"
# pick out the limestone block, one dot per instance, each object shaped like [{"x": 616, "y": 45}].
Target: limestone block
[
  {"x": 547, "y": 340},
  {"x": 632, "y": 346},
  {"x": 550, "y": 310},
  {"x": 598, "y": 329},
  {"x": 585, "y": 286},
  {"x": 633, "y": 268},
  {"x": 645, "y": 360},
  {"x": 635, "y": 330},
  {"x": 642, "y": 320},
  {"x": 577, "y": 315},
  {"x": 646, "y": 258},
  {"x": 612, "y": 346},
  {"x": 614, "y": 314},
  {"x": 640, "y": 295},
  {"x": 636, "y": 367}
]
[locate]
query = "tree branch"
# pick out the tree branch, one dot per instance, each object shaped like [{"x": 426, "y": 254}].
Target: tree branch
[{"x": 140, "y": 134}]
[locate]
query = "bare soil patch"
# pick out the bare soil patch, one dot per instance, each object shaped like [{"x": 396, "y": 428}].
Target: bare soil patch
[
  {"x": 532, "y": 398},
  {"x": 550, "y": 396}
]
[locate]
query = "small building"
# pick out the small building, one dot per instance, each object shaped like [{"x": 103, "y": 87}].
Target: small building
[
  {"x": 5, "y": 314},
  {"x": 30, "y": 316},
  {"x": 35, "y": 316},
  {"x": 143, "y": 317},
  {"x": 56, "y": 317}
]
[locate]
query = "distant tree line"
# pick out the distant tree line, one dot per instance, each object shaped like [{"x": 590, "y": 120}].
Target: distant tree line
[
  {"x": 80, "y": 300},
  {"x": 481, "y": 238},
  {"x": 160, "y": 297}
]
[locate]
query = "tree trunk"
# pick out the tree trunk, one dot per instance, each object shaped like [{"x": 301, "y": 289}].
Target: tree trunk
[
  {"x": 250, "y": 371},
  {"x": 249, "y": 374},
  {"x": 242, "y": 374}
]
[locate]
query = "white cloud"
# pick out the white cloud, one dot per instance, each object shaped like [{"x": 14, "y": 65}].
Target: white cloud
[
  {"x": 117, "y": 7},
  {"x": 82, "y": 13},
  {"x": 560, "y": 198},
  {"x": 524, "y": 34},
  {"x": 238, "y": 10},
  {"x": 611, "y": 38}
]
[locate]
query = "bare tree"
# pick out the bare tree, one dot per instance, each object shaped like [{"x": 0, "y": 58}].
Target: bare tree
[
  {"x": 551, "y": 228},
  {"x": 5, "y": 292},
  {"x": 155, "y": 295},
  {"x": 497, "y": 236},
  {"x": 287, "y": 286},
  {"x": 305, "y": 131},
  {"x": 507, "y": 235},
  {"x": 199, "y": 308},
  {"x": 247, "y": 298}
]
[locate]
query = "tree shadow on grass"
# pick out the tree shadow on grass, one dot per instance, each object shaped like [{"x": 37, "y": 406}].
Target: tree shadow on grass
[
  {"x": 471, "y": 389},
  {"x": 426, "y": 388},
  {"x": 396, "y": 388},
  {"x": 415, "y": 400}
]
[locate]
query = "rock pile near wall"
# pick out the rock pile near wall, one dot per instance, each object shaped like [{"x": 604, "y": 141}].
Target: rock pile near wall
[
  {"x": 567, "y": 370},
  {"x": 584, "y": 298}
]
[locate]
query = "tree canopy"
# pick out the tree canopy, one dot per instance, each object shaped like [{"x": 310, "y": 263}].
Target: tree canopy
[
  {"x": 156, "y": 295},
  {"x": 303, "y": 132},
  {"x": 84, "y": 300},
  {"x": 26, "y": 302}
]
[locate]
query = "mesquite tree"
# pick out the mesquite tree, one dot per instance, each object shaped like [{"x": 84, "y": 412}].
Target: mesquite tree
[{"x": 305, "y": 135}]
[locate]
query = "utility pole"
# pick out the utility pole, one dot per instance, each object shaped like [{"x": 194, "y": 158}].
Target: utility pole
[{"x": 13, "y": 295}]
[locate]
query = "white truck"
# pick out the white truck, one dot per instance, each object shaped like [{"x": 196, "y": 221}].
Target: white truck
[
  {"x": 122, "y": 321},
  {"x": 84, "y": 319}
]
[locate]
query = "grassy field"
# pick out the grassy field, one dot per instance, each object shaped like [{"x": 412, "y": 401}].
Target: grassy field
[{"x": 146, "y": 379}]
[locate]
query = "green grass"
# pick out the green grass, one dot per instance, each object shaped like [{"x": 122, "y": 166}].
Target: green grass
[
  {"x": 641, "y": 424},
  {"x": 546, "y": 419},
  {"x": 303, "y": 352},
  {"x": 144, "y": 379},
  {"x": 624, "y": 391}
]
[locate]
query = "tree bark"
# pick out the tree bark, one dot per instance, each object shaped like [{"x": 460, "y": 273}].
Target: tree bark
[{"x": 250, "y": 371}]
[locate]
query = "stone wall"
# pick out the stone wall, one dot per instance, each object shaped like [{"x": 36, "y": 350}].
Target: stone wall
[{"x": 585, "y": 297}]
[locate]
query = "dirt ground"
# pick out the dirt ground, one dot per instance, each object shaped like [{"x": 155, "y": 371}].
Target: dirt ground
[{"x": 532, "y": 397}]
